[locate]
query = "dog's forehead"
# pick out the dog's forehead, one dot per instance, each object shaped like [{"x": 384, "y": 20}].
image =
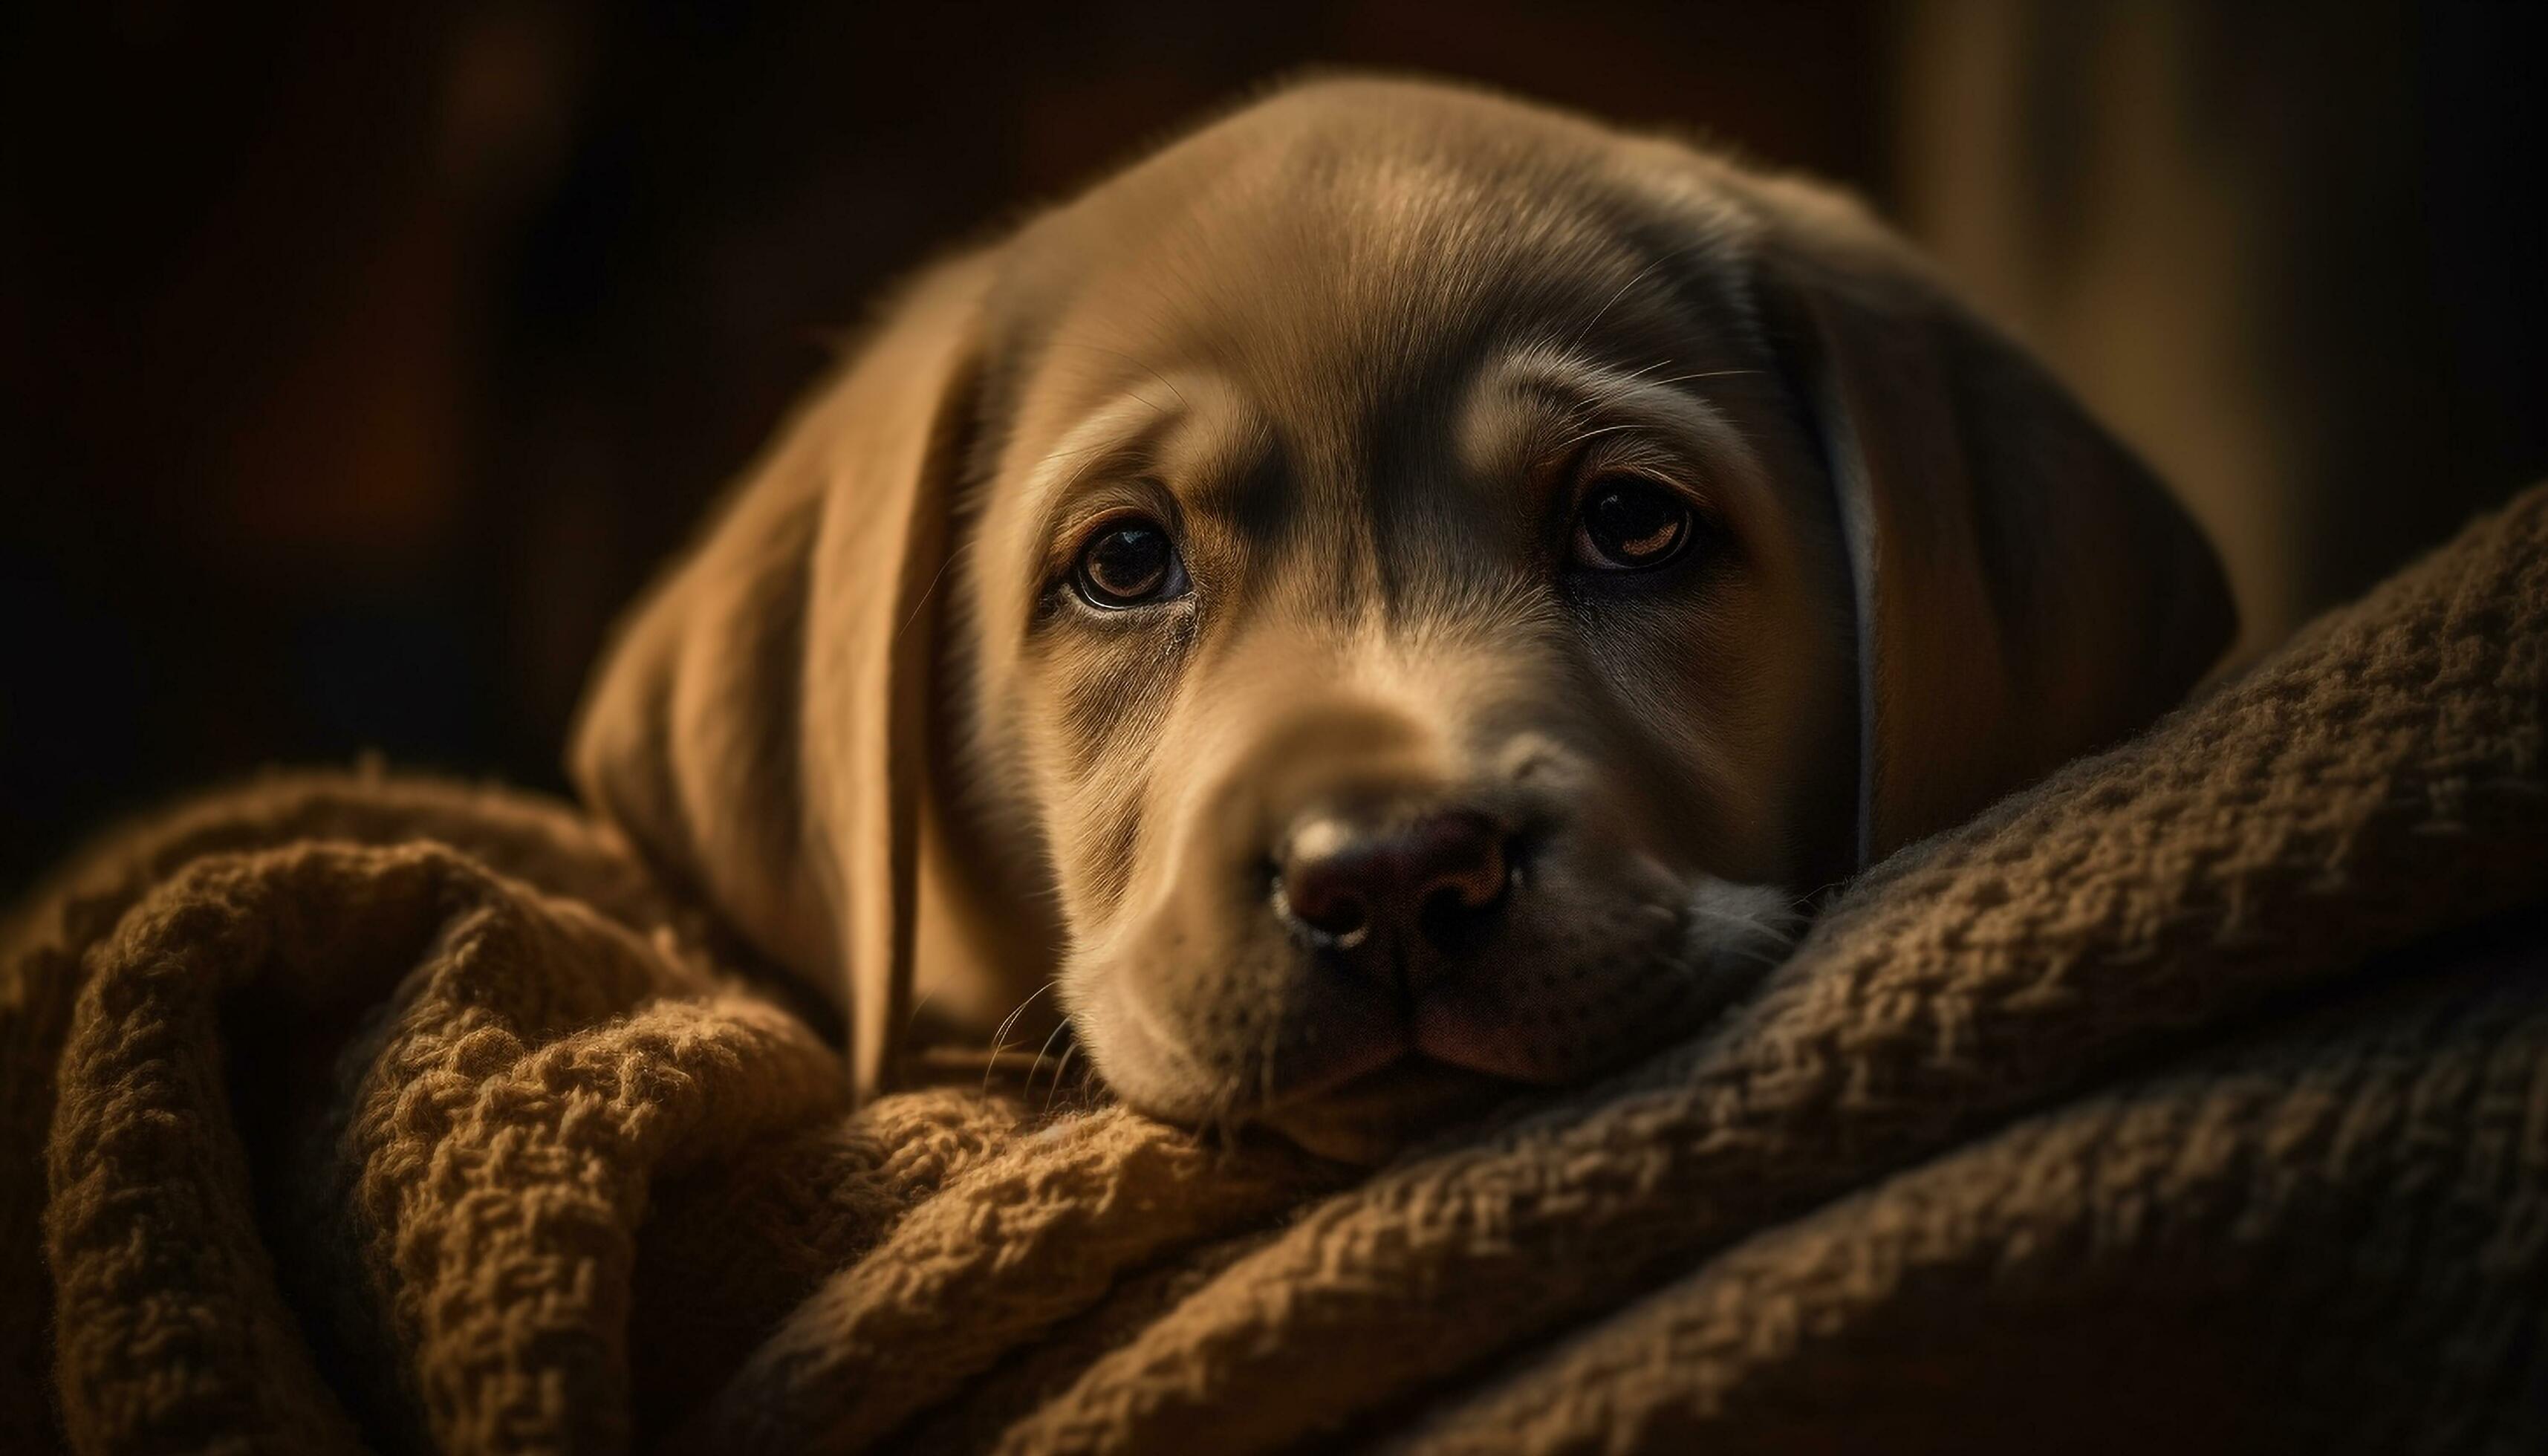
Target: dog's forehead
[{"x": 1333, "y": 255}]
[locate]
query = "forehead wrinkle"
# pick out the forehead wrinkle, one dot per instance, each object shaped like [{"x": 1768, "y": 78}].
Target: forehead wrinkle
[
  {"x": 1321, "y": 273},
  {"x": 1433, "y": 270}
]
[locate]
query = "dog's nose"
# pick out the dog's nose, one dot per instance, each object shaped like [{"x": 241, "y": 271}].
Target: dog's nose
[{"x": 1384, "y": 890}]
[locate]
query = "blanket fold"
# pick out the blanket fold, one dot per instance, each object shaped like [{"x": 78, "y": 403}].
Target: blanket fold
[{"x": 2196, "y": 1095}]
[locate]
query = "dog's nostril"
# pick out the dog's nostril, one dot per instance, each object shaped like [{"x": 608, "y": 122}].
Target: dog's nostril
[
  {"x": 1430, "y": 876},
  {"x": 1319, "y": 898},
  {"x": 1459, "y": 860}
]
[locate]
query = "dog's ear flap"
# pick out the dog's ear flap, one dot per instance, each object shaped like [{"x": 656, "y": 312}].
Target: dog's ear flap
[
  {"x": 758, "y": 727},
  {"x": 2027, "y": 591}
]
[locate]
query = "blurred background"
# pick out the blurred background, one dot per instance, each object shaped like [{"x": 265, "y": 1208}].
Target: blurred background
[{"x": 357, "y": 362}]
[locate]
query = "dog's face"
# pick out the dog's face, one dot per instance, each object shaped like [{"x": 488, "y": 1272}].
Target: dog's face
[
  {"x": 1415, "y": 619},
  {"x": 1404, "y": 580}
]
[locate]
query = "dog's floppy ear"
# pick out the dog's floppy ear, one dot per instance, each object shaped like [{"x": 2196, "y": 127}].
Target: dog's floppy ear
[
  {"x": 2026, "y": 590},
  {"x": 758, "y": 726}
]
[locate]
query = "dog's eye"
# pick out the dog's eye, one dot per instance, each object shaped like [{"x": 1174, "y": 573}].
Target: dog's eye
[
  {"x": 1630, "y": 524},
  {"x": 1129, "y": 562}
]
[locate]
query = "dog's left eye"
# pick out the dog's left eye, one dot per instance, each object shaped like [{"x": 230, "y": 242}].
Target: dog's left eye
[
  {"x": 1129, "y": 563},
  {"x": 1628, "y": 523}
]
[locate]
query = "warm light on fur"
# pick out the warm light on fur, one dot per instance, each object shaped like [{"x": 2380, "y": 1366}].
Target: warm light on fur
[{"x": 1361, "y": 346}]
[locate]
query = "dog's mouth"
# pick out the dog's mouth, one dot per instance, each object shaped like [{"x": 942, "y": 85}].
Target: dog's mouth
[
  {"x": 1354, "y": 1066},
  {"x": 1455, "y": 1058}
]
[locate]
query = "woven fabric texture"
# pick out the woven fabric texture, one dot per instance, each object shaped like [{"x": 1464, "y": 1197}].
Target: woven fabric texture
[{"x": 2196, "y": 1096}]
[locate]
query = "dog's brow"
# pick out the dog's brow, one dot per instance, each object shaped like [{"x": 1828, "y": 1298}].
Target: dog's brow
[
  {"x": 1113, "y": 433},
  {"x": 1133, "y": 359},
  {"x": 1586, "y": 400},
  {"x": 1190, "y": 428}
]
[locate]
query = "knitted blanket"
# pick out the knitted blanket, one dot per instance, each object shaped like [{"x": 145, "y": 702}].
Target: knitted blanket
[{"x": 2196, "y": 1097}]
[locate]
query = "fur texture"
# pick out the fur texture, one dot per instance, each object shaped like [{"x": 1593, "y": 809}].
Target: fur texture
[{"x": 1368, "y": 354}]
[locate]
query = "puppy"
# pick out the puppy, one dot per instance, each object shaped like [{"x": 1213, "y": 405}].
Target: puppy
[{"x": 1397, "y": 596}]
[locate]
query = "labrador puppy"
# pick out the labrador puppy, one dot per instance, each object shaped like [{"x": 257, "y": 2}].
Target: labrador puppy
[{"x": 1401, "y": 596}]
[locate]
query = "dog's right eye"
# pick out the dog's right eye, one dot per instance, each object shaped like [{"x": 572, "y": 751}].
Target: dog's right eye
[
  {"x": 1631, "y": 525},
  {"x": 1129, "y": 562}
]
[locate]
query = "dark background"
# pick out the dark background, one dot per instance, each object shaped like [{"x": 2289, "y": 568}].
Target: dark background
[{"x": 359, "y": 360}]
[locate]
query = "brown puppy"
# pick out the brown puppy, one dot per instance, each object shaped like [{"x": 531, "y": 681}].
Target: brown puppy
[{"x": 1396, "y": 597}]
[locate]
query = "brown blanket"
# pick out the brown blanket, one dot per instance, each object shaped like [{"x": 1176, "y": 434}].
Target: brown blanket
[{"x": 2198, "y": 1097}]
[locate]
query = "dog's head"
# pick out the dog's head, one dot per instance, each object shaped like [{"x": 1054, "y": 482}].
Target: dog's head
[{"x": 1396, "y": 595}]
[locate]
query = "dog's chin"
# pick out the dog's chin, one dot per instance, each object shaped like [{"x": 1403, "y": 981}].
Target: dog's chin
[
  {"x": 1364, "y": 1074},
  {"x": 1367, "y": 1120}
]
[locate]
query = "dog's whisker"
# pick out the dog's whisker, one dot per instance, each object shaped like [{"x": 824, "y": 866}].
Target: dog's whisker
[
  {"x": 1002, "y": 1035},
  {"x": 1702, "y": 374},
  {"x": 931, "y": 590},
  {"x": 1622, "y": 383},
  {"x": 1060, "y": 1069},
  {"x": 1041, "y": 1053},
  {"x": 1641, "y": 276},
  {"x": 1802, "y": 905},
  {"x": 1000, "y": 1038},
  {"x": 1091, "y": 1088},
  {"x": 919, "y": 1004},
  {"x": 1608, "y": 430}
]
